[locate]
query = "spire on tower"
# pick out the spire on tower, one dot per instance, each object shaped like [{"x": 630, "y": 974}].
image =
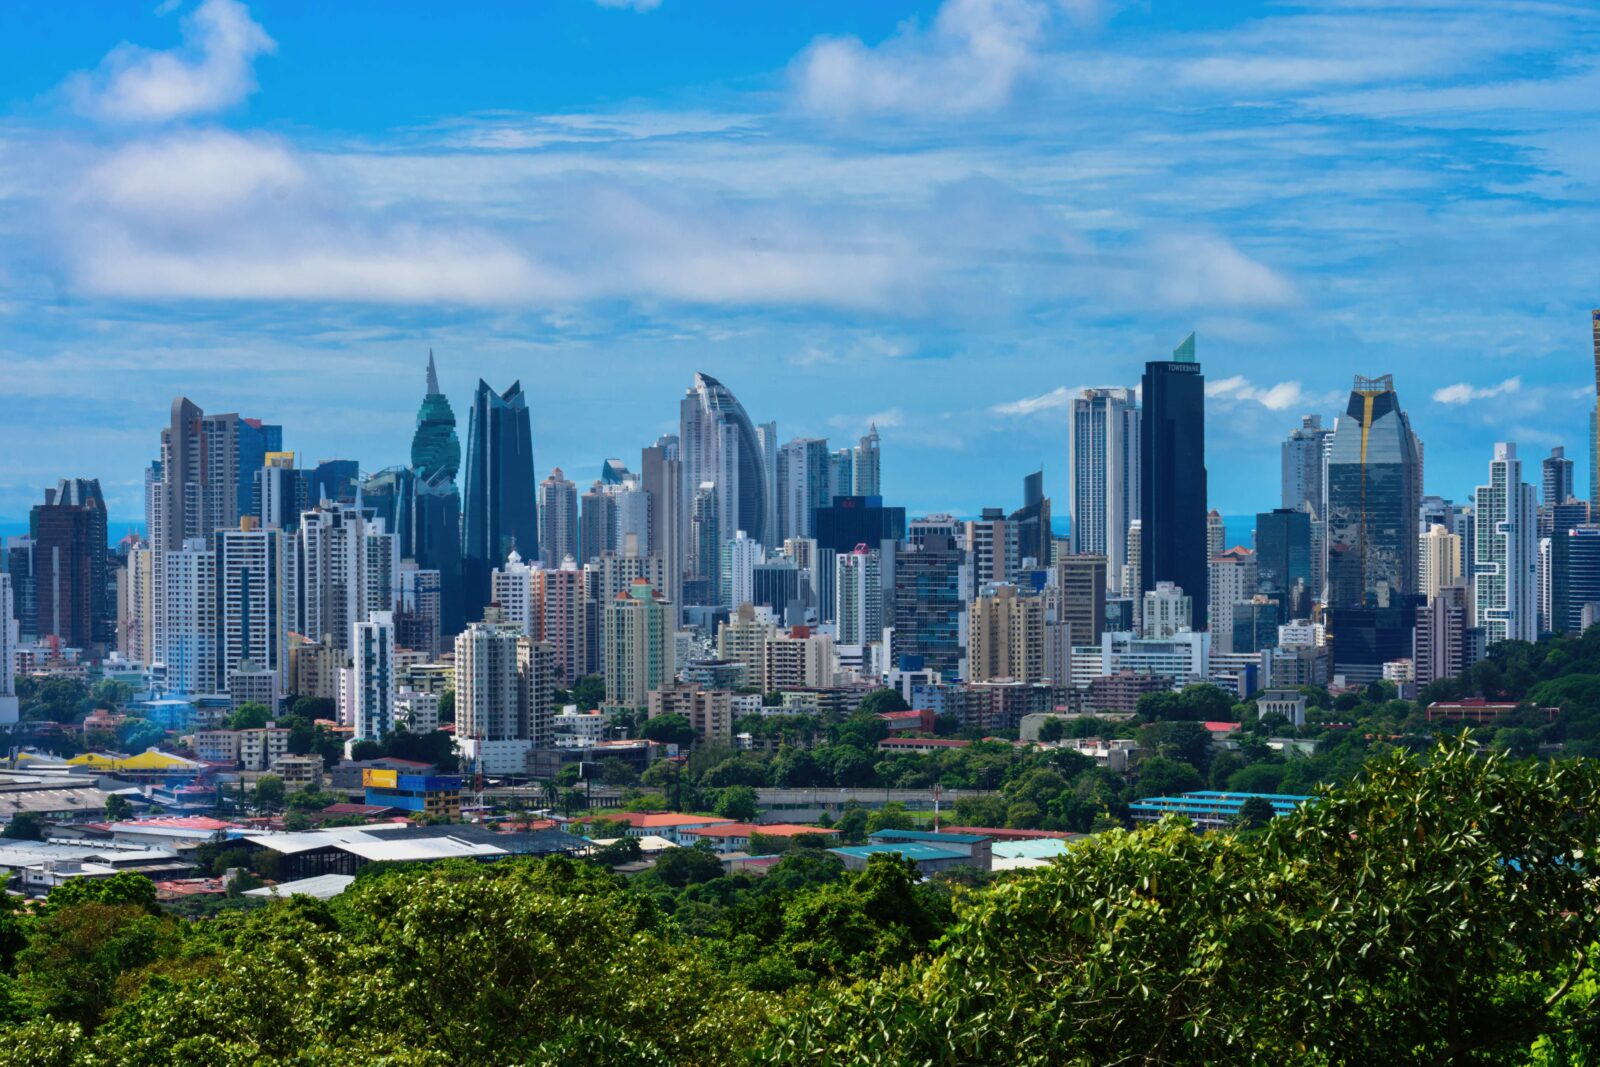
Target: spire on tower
[{"x": 433, "y": 375}]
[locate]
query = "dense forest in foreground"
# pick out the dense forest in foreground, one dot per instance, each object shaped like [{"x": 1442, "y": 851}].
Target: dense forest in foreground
[{"x": 1441, "y": 908}]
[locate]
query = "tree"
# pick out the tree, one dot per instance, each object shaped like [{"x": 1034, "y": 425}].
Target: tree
[
  {"x": 1052, "y": 729},
  {"x": 248, "y": 716},
  {"x": 268, "y": 794},
  {"x": 623, "y": 850},
  {"x": 447, "y": 706},
  {"x": 852, "y": 826},
  {"x": 882, "y": 701},
  {"x": 25, "y": 826},
  {"x": 678, "y": 867},
  {"x": 1254, "y": 813},
  {"x": 892, "y": 816},
  {"x": 671, "y": 729},
  {"x": 614, "y": 772},
  {"x": 1163, "y": 777},
  {"x": 589, "y": 692},
  {"x": 77, "y": 955},
  {"x": 117, "y": 807},
  {"x": 737, "y": 802}
]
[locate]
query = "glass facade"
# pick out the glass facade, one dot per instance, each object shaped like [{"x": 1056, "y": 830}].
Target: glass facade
[
  {"x": 1172, "y": 477},
  {"x": 928, "y": 607},
  {"x": 1575, "y": 577},
  {"x": 1283, "y": 550},
  {"x": 500, "y": 506},
  {"x": 1372, "y": 499}
]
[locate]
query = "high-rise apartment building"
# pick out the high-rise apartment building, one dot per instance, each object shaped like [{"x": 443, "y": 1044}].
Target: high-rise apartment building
[
  {"x": 500, "y": 510},
  {"x": 347, "y": 566},
  {"x": 661, "y": 477},
  {"x": 597, "y": 524},
  {"x": 639, "y": 652},
  {"x": 503, "y": 697},
  {"x": 740, "y": 554},
  {"x": 1006, "y": 637},
  {"x": 1505, "y": 574},
  {"x": 705, "y": 540},
  {"x": 986, "y": 545},
  {"x": 418, "y": 611},
  {"x": 1439, "y": 560},
  {"x": 9, "y": 711},
  {"x": 373, "y": 677},
  {"x": 1372, "y": 499},
  {"x": 1216, "y": 534},
  {"x": 255, "y": 599},
  {"x": 803, "y": 485},
  {"x": 858, "y": 592},
  {"x": 1441, "y": 648},
  {"x": 1305, "y": 455},
  {"x": 1168, "y": 610},
  {"x": 566, "y": 628},
  {"x": 1556, "y": 477},
  {"x": 867, "y": 474},
  {"x": 1103, "y": 475},
  {"x": 1172, "y": 477},
  {"x": 841, "y": 472},
  {"x": 186, "y": 625},
  {"x": 1232, "y": 579},
  {"x": 198, "y": 490},
  {"x": 70, "y": 577},
  {"x": 519, "y": 591},
  {"x": 136, "y": 606}
]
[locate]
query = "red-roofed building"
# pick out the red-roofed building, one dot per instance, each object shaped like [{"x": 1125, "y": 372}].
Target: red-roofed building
[
  {"x": 918, "y": 721},
  {"x": 735, "y": 836},
  {"x": 1222, "y": 729},
  {"x": 668, "y": 824},
  {"x": 1478, "y": 711}
]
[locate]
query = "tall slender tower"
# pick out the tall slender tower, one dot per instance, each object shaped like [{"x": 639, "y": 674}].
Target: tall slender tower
[
  {"x": 1103, "y": 475},
  {"x": 1172, "y": 478},
  {"x": 432, "y": 532},
  {"x": 1505, "y": 573},
  {"x": 1372, "y": 499},
  {"x": 558, "y": 518},
  {"x": 719, "y": 445},
  {"x": 501, "y": 512},
  {"x": 868, "y": 474},
  {"x": 1594, "y": 421}
]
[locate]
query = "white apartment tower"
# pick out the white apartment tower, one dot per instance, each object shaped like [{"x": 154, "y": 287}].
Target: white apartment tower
[
  {"x": 1103, "y": 475},
  {"x": 858, "y": 596},
  {"x": 1505, "y": 574},
  {"x": 372, "y": 669},
  {"x": 186, "y": 626}
]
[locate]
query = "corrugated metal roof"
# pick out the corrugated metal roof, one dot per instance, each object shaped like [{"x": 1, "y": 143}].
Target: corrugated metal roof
[
  {"x": 911, "y": 850},
  {"x": 323, "y": 887}
]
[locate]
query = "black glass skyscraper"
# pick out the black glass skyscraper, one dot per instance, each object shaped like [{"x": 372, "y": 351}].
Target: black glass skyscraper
[
  {"x": 1283, "y": 558},
  {"x": 1172, "y": 476},
  {"x": 501, "y": 509}
]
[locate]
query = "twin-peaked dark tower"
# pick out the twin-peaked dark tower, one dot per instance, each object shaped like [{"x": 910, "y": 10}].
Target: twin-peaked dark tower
[
  {"x": 499, "y": 509},
  {"x": 1172, "y": 477}
]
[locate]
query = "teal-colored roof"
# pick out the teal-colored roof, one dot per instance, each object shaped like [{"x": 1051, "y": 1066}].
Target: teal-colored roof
[
  {"x": 911, "y": 850},
  {"x": 927, "y": 835}
]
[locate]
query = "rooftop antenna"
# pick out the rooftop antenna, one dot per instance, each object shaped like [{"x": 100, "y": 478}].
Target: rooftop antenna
[{"x": 433, "y": 375}]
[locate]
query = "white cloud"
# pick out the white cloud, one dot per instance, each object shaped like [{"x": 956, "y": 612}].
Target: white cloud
[
  {"x": 1058, "y": 397},
  {"x": 1283, "y": 396},
  {"x": 212, "y": 70},
  {"x": 968, "y": 61},
  {"x": 1465, "y": 392},
  {"x": 1202, "y": 270}
]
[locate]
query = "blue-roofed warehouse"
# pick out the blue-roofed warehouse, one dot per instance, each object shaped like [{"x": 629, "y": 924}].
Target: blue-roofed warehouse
[{"x": 1208, "y": 809}]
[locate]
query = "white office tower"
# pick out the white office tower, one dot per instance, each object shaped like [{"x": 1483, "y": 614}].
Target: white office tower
[
  {"x": 255, "y": 589},
  {"x": 491, "y": 727},
  {"x": 858, "y": 592},
  {"x": 740, "y": 555},
  {"x": 372, "y": 672},
  {"x": 1103, "y": 476},
  {"x": 1232, "y": 581},
  {"x": 1168, "y": 610},
  {"x": 348, "y": 567},
  {"x": 1438, "y": 559},
  {"x": 519, "y": 590},
  {"x": 186, "y": 641},
  {"x": 1506, "y": 572},
  {"x": 868, "y": 474},
  {"x": 136, "y": 620},
  {"x": 8, "y": 652}
]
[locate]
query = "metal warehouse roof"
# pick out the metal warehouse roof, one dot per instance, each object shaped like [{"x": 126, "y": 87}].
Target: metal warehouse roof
[
  {"x": 911, "y": 850},
  {"x": 323, "y": 887},
  {"x": 928, "y": 835}
]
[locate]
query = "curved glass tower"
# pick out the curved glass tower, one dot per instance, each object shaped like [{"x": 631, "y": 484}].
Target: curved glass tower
[{"x": 719, "y": 446}]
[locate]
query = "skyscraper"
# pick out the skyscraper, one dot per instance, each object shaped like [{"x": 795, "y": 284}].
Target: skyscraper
[
  {"x": 373, "y": 676},
  {"x": 1029, "y": 526},
  {"x": 1556, "y": 471},
  {"x": 638, "y": 646},
  {"x": 70, "y": 582},
  {"x": 867, "y": 472},
  {"x": 558, "y": 518},
  {"x": 1594, "y": 420},
  {"x": 930, "y": 605},
  {"x": 1304, "y": 453},
  {"x": 597, "y": 524},
  {"x": 803, "y": 486},
  {"x": 1575, "y": 577},
  {"x": 1081, "y": 588},
  {"x": 431, "y": 536},
  {"x": 1283, "y": 559},
  {"x": 8, "y": 646},
  {"x": 186, "y": 629},
  {"x": 1372, "y": 499},
  {"x": 1172, "y": 475},
  {"x": 347, "y": 566},
  {"x": 858, "y": 592},
  {"x": 661, "y": 477},
  {"x": 1505, "y": 574},
  {"x": 199, "y": 477},
  {"x": 1103, "y": 475},
  {"x": 1006, "y": 637},
  {"x": 255, "y": 589},
  {"x": 1439, "y": 560},
  {"x": 841, "y": 472},
  {"x": 500, "y": 508},
  {"x": 719, "y": 446}
]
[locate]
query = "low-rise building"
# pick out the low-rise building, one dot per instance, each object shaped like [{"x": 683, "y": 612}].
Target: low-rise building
[
  {"x": 429, "y": 795},
  {"x": 1290, "y": 703},
  {"x": 735, "y": 836},
  {"x": 709, "y": 711},
  {"x": 1479, "y": 711},
  {"x": 299, "y": 772}
]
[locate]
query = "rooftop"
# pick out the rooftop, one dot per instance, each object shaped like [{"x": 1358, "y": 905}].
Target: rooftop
[
  {"x": 745, "y": 829},
  {"x": 322, "y": 887},
  {"x": 662, "y": 820},
  {"x": 911, "y": 850},
  {"x": 928, "y": 835}
]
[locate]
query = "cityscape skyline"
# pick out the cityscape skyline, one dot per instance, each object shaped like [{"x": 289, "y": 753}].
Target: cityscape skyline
[{"x": 954, "y": 270}]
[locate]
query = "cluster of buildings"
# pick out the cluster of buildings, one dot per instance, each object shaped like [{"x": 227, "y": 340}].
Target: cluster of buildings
[{"x": 734, "y": 566}]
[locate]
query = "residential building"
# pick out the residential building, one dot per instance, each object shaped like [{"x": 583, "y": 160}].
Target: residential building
[
  {"x": 718, "y": 447},
  {"x": 492, "y": 727},
  {"x": 518, "y": 590},
  {"x": 1167, "y": 610},
  {"x": 68, "y": 532},
  {"x": 1081, "y": 588},
  {"x": 1232, "y": 580},
  {"x": 373, "y": 677},
  {"x": 1439, "y": 560},
  {"x": 1305, "y": 454},
  {"x": 1505, "y": 573},
  {"x": 710, "y": 711},
  {"x": 867, "y": 472},
  {"x": 1006, "y": 637},
  {"x": 255, "y": 599},
  {"x": 803, "y": 486},
  {"x": 798, "y": 659},
  {"x": 347, "y": 566},
  {"x": 858, "y": 589},
  {"x": 186, "y": 624},
  {"x": 740, "y": 554},
  {"x": 639, "y": 652},
  {"x": 1103, "y": 475},
  {"x": 1574, "y": 577},
  {"x": 558, "y": 518}
]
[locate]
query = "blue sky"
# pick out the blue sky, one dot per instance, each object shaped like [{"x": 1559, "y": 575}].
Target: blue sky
[{"x": 944, "y": 217}]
